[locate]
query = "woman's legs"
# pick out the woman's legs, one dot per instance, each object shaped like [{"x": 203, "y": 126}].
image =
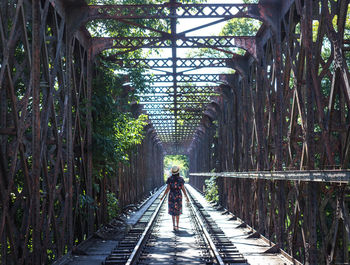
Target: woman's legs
[
  {"x": 177, "y": 221},
  {"x": 173, "y": 217}
]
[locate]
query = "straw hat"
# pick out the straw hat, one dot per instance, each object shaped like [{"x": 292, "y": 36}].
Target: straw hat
[{"x": 175, "y": 170}]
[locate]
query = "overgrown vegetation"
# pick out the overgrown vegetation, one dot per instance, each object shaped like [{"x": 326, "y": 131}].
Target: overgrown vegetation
[
  {"x": 113, "y": 207},
  {"x": 115, "y": 129},
  {"x": 211, "y": 189}
]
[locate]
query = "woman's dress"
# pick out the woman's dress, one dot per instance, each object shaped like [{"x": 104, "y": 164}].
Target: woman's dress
[{"x": 175, "y": 195}]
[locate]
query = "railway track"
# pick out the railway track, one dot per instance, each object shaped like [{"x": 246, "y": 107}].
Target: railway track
[{"x": 210, "y": 245}]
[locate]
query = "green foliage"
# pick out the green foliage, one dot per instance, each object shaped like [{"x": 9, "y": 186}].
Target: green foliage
[
  {"x": 211, "y": 189},
  {"x": 115, "y": 130},
  {"x": 128, "y": 131},
  {"x": 113, "y": 207},
  {"x": 176, "y": 160},
  {"x": 85, "y": 202},
  {"x": 241, "y": 27}
]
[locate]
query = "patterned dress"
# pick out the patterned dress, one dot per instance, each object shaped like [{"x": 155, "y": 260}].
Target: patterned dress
[{"x": 175, "y": 195}]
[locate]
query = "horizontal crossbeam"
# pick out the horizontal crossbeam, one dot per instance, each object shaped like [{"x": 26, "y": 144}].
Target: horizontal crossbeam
[
  {"x": 169, "y": 123},
  {"x": 165, "y": 119},
  {"x": 165, "y": 114},
  {"x": 170, "y": 106},
  {"x": 245, "y": 42},
  {"x": 184, "y": 99},
  {"x": 181, "y": 42},
  {"x": 342, "y": 176},
  {"x": 181, "y": 90},
  {"x": 168, "y": 62},
  {"x": 160, "y": 110},
  {"x": 163, "y": 11},
  {"x": 170, "y": 131},
  {"x": 186, "y": 78}
]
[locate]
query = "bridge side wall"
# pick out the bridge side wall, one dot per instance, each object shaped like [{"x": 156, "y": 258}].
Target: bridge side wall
[
  {"x": 287, "y": 109},
  {"x": 143, "y": 174},
  {"x": 50, "y": 199}
]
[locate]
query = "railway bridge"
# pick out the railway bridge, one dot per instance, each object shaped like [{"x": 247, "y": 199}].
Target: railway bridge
[{"x": 261, "y": 109}]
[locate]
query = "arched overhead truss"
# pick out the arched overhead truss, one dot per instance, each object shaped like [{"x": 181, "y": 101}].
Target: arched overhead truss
[{"x": 183, "y": 104}]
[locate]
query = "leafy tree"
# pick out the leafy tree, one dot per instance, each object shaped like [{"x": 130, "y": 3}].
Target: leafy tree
[
  {"x": 241, "y": 27},
  {"x": 115, "y": 130}
]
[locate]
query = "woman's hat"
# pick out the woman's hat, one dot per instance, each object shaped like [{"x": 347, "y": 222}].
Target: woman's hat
[{"x": 175, "y": 169}]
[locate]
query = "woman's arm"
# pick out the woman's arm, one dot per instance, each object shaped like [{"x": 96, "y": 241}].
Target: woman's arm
[
  {"x": 166, "y": 191},
  {"x": 184, "y": 191}
]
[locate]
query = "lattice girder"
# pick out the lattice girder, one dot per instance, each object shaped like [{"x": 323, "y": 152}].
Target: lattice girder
[
  {"x": 168, "y": 62},
  {"x": 163, "y": 11},
  {"x": 154, "y": 90},
  {"x": 186, "y": 78},
  {"x": 170, "y": 99},
  {"x": 132, "y": 43}
]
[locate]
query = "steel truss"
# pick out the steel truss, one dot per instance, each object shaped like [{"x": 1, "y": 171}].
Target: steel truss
[
  {"x": 180, "y": 99},
  {"x": 287, "y": 107},
  {"x": 131, "y": 14},
  {"x": 47, "y": 200},
  {"x": 164, "y": 11},
  {"x": 288, "y": 110},
  {"x": 168, "y": 63},
  {"x": 186, "y": 78},
  {"x": 132, "y": 43},
  {"x": 182, "y": 90}
]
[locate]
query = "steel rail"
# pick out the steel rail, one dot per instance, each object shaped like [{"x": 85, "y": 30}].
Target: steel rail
[
  {"x": 205, "y": 231},
  {"x": 135, "y": 253}
]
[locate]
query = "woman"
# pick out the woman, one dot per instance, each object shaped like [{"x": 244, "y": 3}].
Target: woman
[{"x": 175, "y": 185}]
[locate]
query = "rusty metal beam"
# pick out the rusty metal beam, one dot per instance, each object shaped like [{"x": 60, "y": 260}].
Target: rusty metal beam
[
  {"x": 168, "y": 63},
  {"x": 331, "y": 176},
  {"x": 133, "y": 43},
  {"x": 214, "y": 78},
  {"x": 163, "y": 11}
]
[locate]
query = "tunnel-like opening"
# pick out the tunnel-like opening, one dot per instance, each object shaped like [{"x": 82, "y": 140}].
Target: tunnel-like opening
[{"x": 181, "y": 161}]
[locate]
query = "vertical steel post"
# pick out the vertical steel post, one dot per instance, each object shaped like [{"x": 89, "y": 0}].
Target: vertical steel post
[
  {"x": 69, "y": 139},
  {"x": 89, "y": 140},
  {"x": 310, "y": 116},
  {"x": 173, "y": 22},
  {"x": 35, "y": 82}
]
